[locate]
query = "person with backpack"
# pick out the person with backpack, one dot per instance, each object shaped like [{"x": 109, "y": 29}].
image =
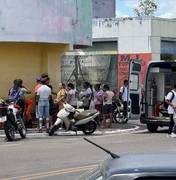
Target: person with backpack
[
  {"x": 16, "y": 94},
  {"x": 123, "y": 96},
  {"x": 171, "y": 101}
]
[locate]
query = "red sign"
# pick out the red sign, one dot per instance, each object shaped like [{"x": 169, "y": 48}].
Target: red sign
[{"x": 123, "y": 65}]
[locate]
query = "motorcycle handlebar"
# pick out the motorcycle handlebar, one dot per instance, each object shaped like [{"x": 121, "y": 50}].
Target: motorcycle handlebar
[{"x": 7, "y": 102}]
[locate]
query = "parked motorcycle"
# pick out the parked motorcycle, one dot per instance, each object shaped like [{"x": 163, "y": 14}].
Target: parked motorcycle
[
  {"x": 10, "y": 115},
  {"x": 118, "y": 113},
  {"x": 71, "y": 119}
]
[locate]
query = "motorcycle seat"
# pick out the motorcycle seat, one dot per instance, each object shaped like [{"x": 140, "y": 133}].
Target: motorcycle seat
[{"x": 84, "y": 114}]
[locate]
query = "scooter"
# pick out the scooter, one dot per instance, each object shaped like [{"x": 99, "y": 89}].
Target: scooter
[{"x": 71, "y": 119}]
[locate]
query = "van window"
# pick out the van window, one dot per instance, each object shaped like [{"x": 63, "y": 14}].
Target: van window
[
  {"x": 136, "y": 67},
  {"x": 134, "y": 82}
]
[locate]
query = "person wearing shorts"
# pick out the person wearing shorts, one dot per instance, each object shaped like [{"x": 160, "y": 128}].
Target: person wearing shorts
[
  {"x": 98, "y": 97},
  {"x": 107, "y": 105},
  {"x": 52, "y": 108},
  {"x": 43, "y": 96}
]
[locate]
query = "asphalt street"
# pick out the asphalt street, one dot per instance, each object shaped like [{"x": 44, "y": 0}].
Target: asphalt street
[{"x": 66, "y": 157}]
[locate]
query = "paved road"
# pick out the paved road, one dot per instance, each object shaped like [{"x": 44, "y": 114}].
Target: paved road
[{"x": 66, "y": 157}]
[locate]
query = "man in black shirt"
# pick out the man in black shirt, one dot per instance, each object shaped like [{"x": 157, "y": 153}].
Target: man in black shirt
[{"x": 52, "y": 108}]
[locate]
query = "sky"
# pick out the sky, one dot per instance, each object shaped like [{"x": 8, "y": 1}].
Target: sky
[{"x": 166, "y": 8}]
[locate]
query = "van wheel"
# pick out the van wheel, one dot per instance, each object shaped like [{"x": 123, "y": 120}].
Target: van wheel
[{"x": 152, "y": 127}]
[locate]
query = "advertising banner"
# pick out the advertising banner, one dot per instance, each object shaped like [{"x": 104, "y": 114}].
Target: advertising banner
[{"x": 123, "y": 65}]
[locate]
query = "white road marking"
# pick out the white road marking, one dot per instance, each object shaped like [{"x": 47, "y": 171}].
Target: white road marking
[{"x": 111, "y": 135}]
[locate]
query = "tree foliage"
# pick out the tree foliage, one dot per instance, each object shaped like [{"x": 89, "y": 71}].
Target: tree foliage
[
  {"x": 168, "y": 57},
  {"x": 145, "y": 8}
]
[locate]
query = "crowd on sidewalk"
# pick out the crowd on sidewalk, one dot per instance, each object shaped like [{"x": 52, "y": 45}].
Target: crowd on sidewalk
[
  {"x": 93, "y": 97},
  {"x": 46, "y": 107}
]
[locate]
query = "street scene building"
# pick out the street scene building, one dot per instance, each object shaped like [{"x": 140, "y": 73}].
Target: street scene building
[
  {"x": 122, "y": 39},
  {"x": 87, "y": 94}
]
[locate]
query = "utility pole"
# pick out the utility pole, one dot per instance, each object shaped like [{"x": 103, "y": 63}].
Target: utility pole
[{"x": 76, "y": 71}]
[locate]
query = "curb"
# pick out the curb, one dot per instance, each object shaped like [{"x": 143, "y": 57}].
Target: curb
[{"x": 71, "y": 133}]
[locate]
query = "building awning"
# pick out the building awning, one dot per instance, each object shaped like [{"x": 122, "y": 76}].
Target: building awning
[
  {"x": 98, "y": 48},
  {"x": 168, "y": 47}
]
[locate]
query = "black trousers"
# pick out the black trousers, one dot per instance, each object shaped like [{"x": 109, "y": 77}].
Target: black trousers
[
  {"x": 22, "y": 105},
  {"x": 125, "y": 108},
  {"x": 171, "y": 125},
  {"x": 87, "y": 108}
]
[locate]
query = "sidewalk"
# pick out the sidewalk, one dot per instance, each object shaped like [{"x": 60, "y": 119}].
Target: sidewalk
[{"x": 116, "y": 128}]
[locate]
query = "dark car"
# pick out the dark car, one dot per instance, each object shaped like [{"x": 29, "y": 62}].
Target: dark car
[{"x": 143, "y": 166}]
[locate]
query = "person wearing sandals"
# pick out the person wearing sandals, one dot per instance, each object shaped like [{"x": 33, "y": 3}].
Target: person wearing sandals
[
  {"x": 107, "y": 105},
  {"x": 43, "y": 97},
  {"x": 87, "y": 95},
  {"x": 98, "y": 97}
]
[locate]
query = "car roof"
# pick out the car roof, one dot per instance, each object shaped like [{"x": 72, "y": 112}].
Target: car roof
[{"x": 140, "y": 163}]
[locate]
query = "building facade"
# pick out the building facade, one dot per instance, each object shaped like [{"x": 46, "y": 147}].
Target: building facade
[
  {"x": 115, "y": 42},
  {"x": 35, "y": 34},
  {"x": 145, "y": 39}
]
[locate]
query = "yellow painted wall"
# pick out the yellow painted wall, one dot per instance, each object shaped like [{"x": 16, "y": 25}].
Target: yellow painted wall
[{"x": 28, "y": 61}]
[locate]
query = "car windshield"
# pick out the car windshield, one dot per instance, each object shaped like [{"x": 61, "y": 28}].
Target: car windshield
[{"x": 93, "y": 174}]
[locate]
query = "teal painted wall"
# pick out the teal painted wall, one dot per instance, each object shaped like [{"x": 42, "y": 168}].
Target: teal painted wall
[{"x": 51, "y": 21}]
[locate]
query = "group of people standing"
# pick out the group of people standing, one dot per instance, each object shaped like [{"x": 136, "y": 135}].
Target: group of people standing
[
  {"x": 103, "y": 99},
  {"x": 46, "y": 107}
]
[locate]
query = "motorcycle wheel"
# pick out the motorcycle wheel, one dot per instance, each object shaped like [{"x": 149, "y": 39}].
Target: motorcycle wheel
[
  {"x": 9, "y": 130},
  {"x": 53, "y": 129},
  {"x": 22, "y": 130},
  {"x": 119, "y": 118},
  {"x": 89, "y": 128}
]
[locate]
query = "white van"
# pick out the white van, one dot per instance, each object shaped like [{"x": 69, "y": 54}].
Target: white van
[{"x": 160, "y": 76}]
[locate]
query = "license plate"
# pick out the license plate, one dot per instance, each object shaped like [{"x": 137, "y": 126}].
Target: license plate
[{"x": 3, "y": 119}]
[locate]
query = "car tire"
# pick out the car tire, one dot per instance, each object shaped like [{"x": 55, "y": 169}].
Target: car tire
[{"x": 152, "y": 127}]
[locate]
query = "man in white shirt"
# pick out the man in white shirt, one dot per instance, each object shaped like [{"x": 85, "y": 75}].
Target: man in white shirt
[
  {"x": 43, "y": 96},
  {"x": 123, "y": 95},
  {"x": 171, "y": 101}
]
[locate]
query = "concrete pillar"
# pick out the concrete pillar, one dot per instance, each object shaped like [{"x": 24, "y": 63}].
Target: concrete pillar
[{"x": 155, "y": 48}]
